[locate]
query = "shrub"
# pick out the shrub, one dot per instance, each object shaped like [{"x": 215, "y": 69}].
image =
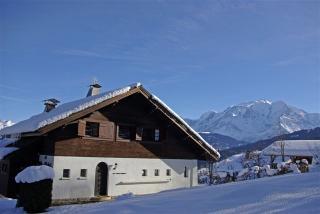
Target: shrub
[{"x": 35, "y": 197}]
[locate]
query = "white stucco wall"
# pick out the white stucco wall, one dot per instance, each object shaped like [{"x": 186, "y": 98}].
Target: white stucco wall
[{"x": 124, "y": 178}]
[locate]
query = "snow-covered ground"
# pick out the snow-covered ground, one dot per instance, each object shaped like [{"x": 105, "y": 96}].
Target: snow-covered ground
[{"x": 291, "y": 193}]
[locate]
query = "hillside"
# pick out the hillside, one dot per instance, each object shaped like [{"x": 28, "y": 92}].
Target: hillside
[
  {"x": 256, "y": 120},
  {"x": 312, "y": 134},
  {"x": 221, "y": 142}
]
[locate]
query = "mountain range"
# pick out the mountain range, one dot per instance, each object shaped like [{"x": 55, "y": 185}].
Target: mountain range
[{"x": 257, "y": 120}]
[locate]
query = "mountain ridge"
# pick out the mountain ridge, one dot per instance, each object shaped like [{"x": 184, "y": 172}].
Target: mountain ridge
[{"x": 256, "y": 120}]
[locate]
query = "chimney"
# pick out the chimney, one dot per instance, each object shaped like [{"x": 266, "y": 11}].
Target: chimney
[
  {"x": 50, "y": 104},
  {"x": 94, "y": 89}
]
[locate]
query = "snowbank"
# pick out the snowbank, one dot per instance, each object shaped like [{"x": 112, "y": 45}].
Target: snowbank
[
  {"x": 35, "y": 173},
  {"x": 269, "y": 171},
  {"x": 243, "y": 172},
  {"x": 233, "y": 163}
]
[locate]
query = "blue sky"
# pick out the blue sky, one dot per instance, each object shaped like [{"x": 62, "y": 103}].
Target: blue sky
[{"x": 195, "y": 55}]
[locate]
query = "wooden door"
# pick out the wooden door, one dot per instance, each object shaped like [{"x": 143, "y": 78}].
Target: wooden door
[{"x": 101, "y": 183}]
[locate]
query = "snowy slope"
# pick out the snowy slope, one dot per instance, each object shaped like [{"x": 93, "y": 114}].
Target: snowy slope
[
  {"x": 5, "y": 123},
  {"x": 292, "y": 193},
  {"x": 221, "y": 142},
  {"x": 256, "y": 120}
]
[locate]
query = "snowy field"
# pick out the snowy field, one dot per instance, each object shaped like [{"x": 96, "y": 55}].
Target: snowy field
[{"x": 291, "y": 193}]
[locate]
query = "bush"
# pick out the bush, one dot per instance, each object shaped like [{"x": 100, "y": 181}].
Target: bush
[{"x": 35, "y": 197}]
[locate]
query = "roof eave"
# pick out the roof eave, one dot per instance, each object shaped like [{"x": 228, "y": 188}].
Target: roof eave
[{"x": 203, "y": 145}]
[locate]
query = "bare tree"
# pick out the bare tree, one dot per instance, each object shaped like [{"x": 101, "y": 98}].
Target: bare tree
[{"x": 282, "y": 144}]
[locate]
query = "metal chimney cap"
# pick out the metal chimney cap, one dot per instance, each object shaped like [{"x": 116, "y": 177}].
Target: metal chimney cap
[
  {"x": 52, "y": 101},
  {"x": 95, "y": 85}
]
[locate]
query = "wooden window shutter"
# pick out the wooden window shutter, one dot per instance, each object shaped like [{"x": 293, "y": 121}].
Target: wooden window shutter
[
  {"x": 106, "y": 130},
  {"x": 139, "y": 131},
  {"x": 81, "y": 128}
]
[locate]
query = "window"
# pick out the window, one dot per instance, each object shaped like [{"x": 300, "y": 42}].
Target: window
[
  {"x": 149, "y": 134},
  {"x": 157, "y": 135},
  {"x": 144, "y": 172},
  {"x": 125, "y": 132},
  {"x": 66, "y": 173},
  {"x": 156, "y": 172},
  {"x": 83, "y": 173},
  {"x": 92, "y": 129},
  {"x": 185, "y": 172},
  {"x": 168, "y": 172}
]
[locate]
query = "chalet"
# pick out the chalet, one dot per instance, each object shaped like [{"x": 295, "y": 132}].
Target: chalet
[
  {"x": 294, "y": 150},
  {"x": 106, "y": 144}
]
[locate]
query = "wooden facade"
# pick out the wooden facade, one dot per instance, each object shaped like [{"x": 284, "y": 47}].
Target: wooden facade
[{"x": 135, "y": 112}]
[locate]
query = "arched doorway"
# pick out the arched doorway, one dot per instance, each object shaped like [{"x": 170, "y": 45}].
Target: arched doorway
[{"x": 101, "y": 184}]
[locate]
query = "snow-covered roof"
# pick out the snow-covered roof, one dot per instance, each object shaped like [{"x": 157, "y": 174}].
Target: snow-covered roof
[
  {"x": 4, "y": 151},
  {"x": 63, "y": 111},
  {"x": 294, "y": 148},
  {"x": 33, "y": 174},
  {"x": 7, "y": 141}
]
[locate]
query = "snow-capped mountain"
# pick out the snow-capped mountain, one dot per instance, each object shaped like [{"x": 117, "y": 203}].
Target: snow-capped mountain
[
  {"x": 5, "y": 123},
  {"x": 256, "y": 120}
]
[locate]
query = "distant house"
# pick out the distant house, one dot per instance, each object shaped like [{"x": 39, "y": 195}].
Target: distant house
[
  {"x": 108, "y": 144},
  {"x": 294, "y": 149}
]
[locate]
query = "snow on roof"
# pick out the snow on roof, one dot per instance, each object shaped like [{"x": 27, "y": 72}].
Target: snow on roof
[
  {"x": 63, "y": 111},
  {"x": 7, "y": 141},
  {"x": 294, "y": 148},
  {"x": 185, "y": 124},
  {"x": 4, "y": 151},
  {"x": 33, "y": 174}
]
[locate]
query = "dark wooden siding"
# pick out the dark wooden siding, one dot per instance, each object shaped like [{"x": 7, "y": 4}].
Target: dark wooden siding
[{"x": 134, "y": 110}]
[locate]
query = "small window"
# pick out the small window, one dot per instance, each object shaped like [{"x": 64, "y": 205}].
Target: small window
[
  {"x": 185, "y": 172},
  {"x": 157, "y": 135},
  {"x": 83, "y": 173},
  {"x": 124, "y": 132},
  {"x": 150, "y": 134},
  {"x": 66, "y": 173},
  {"x": 168, "y": 172},
  {"x": 156, "y": 172},
  {"x": 92, "y": 129},
  {"x": 144, "y": 172}
]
